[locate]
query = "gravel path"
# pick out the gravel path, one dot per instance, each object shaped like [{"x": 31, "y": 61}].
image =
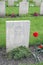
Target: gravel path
[
  {"x": 40, "y": 55},
  {"x": 5, "y": 61}
]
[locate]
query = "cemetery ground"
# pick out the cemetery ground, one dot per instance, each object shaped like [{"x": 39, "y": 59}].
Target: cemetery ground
[{"x": 36, "y": 25}]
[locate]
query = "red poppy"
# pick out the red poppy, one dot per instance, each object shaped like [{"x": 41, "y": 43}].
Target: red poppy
[
  {"x": 40, "y": 46},
  {"x": 35, "y": 34}
]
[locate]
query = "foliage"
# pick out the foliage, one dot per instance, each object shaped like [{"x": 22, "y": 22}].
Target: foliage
[
  {"x": 36, "y": 24},
  {"x": 20, "y": 52}
]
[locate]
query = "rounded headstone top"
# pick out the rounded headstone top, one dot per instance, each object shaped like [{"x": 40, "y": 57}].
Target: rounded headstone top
[{"x": 20, "y": 21}]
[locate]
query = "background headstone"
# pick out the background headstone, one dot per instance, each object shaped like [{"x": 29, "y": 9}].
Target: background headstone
[
  {"x": 10, "y": 2},
  {"x": 41, "y": 9},
  {"x": 17, "y": 34},
  {"x": 41, "y": 0},
  {"x": 38, "y": 2},
  {"x": 23, "y": 8},
  {"x": 2, "y": 8},
  {"x": 15, "y": 0},
  {"x": 33, "y": 0}
]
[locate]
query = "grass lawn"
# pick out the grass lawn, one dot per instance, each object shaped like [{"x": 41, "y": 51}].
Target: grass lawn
[{"x": 36, "y": 24}]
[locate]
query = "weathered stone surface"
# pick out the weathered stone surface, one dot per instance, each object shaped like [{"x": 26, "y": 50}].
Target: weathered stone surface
[{"x": 17, "y": 34}]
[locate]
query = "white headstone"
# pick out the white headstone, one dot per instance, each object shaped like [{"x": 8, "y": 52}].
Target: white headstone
[
  {"x": 38, "y": 2},
  {"x": 41, "y": 0},
  {"x": 41, "y": 9},
  {"x": 2, "y": 8},
  {"x": 10, "y": 2},
  {"x": 34, "y": 0},
  {"x": 15, "y": 0},
  {"x": 23, "y": 8},
  {"x": 17, "y": 34}
]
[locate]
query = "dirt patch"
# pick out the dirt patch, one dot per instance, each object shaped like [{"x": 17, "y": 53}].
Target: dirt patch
[{"x": 4, "y": 60}]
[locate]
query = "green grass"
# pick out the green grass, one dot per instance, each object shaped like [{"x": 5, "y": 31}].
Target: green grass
[
  {"x": 10, "y": 10},
  {"x": 36, "y": 24}
]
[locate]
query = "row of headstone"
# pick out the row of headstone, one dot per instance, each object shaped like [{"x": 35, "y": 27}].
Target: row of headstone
[
  {"x": 17, "y": 32},
  {"x": 23, "y": 7}
]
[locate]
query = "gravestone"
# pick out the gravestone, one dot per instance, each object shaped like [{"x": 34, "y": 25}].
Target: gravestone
[
  {"x": 41, "y": 0},
  {"x": 2, "y": 8},
  {"x": 41, "y": 9},
  {"x": 23, "y": 7},
  {"x": 15, "y": 0},
  {"x": 17, "y": 34},
  {"x": 10, "y": 2},
  {"x": 34, "y": 0},
  {"x": 38, "y": 2}
]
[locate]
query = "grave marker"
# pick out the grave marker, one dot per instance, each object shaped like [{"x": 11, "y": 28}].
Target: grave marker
[
  {"x": 23, "y": 8},
  {"x": 41, "y": 9},
  {"x": 38, "y": 2},
  {"x": 10, "y": 2},
  {"x": 17, "y": 34},
  {"x": 15, "y": 0},
  {"x": 2, "y": 8}
]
